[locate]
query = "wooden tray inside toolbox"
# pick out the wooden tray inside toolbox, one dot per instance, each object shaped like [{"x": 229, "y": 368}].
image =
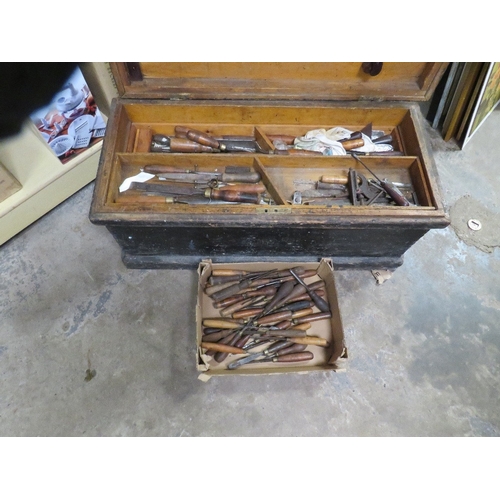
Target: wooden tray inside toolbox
[
  {"x": 280, "y": 175},
  {"x": 127, "y": 152}
]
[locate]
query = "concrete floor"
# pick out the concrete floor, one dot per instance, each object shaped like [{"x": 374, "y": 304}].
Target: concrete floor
[{"x": 91, "y": 348}]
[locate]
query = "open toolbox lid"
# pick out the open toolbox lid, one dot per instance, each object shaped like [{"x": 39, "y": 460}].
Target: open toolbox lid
[{"x": 330, "y": 81}]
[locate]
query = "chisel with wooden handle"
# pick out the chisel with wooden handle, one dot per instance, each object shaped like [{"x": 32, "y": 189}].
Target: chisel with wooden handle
[
  {"x": 234, "y": 196},
  {"x": 229, "y": 349},
  {"x": 280, "y": 344},
  {"x": 226, "y": 292},
  {"x": 202, "y": 177},
  {"x": 299, "y": 290},
  {"x": 297, "y": 357},
  {"x": 283, "y": 291},
  {"x": 238, "y": 342},
  {"x": 221, "y": 323},
  {"x": 282, "y": 351},
  {"x": 164, "y": 144},
  {"x": 321, "y": 304},
  {"x": 273, "y": 319},
  {"x": 317, "y": 341},
  {"x": 204, "y": 139},
  {"x": 312, "y": 317}
]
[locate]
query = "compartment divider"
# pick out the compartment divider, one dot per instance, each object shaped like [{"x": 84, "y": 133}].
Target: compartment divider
[
  {"x": 271, "y": 188},
  {"x": 262, "y": 139}
]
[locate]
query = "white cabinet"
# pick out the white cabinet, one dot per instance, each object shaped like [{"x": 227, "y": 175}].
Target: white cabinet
[{"x": 46, "y": 182}]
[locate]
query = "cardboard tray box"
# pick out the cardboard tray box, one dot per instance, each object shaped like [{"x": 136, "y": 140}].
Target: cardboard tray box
[
  {"x": 331, "y": 358},
  {"x": 261, "y": 100}
]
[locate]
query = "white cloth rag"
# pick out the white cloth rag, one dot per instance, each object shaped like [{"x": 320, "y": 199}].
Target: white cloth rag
[{"x": 326, "y": 142}]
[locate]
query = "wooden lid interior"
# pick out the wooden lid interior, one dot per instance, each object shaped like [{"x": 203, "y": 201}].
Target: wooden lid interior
[{"x": 278, "y": 81}]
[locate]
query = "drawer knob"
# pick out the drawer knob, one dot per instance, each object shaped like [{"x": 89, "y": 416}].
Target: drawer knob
[{"x": 372, "y": 68}]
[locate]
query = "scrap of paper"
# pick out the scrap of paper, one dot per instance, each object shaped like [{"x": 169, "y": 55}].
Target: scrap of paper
[{"x": 141, "y": 177}]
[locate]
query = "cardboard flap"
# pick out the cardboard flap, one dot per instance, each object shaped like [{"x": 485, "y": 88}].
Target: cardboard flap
[{"x": 278, "y": 81}]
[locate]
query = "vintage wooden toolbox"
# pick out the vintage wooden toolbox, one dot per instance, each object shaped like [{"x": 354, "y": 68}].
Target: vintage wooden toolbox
[{"x": 260, "y": 101}]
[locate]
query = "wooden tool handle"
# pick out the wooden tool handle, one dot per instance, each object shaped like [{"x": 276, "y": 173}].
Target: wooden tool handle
[
  {"x": 228, "y": 291},
  {"x": 215, "y": 337},
  {"x": 300, "y": 270},
  {"x": 334, "y": 179},
  {"x": 244, "y": 188},
  {"x": 236, "y": 342},
  {"x": 292, "y": 349},
  {"x": 294, "y": 358},
  {"x": 249, "y": 177},
  {"x": 320, "y": 303},
  {"x": 202, "y": 138},
  {"x": 302, "y": 312},
  {"x": 298, "y": 305},
  {"x": 353, "y": 144},
  {"x": 228, "y": 272},
  {"x": 300, "y": 290},
  {"x": 311, "y": 341},
  {"x": 283, "y": 291},
  {"x": 276, "y": 346},
  {"x": 304, "y": 296},
  {"x": 219, "y": 356},
  {"x": 227, "y": 302},
  {"x": 247, "y": 313},
  {"x": 207, "y": 330},
  {"x": 301, "y": 326},
  {"x": 221, "y": 280},
  {"x": 181, "y": 131},
  {"x": 287, "y": 139},
  {"x": 280, "y": 333},
  {"x": 397, "y": 197},
  {"x": 179, "y": 145},
  {"x": 222, "y": 348},
  {"x": 284, "y": 325},
  {"x": 313, "y": 317},
  {"x": 221, "y": 323},
  {"x": 272, "y": 319},
  {"x": 229, "y": 310},
  {"x": 234, "y": 196}
]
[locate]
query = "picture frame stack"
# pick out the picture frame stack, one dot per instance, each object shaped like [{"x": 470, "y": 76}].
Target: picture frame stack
[{"x": 464, "y": 98}]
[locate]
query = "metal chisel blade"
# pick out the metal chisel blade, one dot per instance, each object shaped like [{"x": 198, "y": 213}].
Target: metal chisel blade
[{"x": 166, "y": 188}]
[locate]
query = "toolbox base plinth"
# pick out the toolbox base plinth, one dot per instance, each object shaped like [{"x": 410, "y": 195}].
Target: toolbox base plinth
[{"x": 141, "y": 261}]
